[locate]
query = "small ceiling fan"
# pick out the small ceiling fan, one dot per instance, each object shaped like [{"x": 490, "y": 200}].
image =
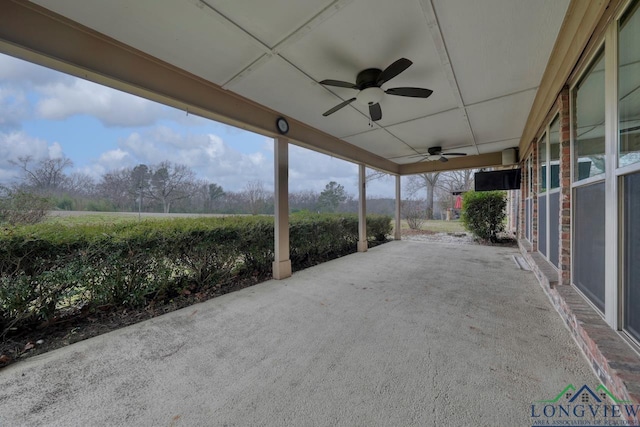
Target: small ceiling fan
[
  {"x": 369, "y": 82},
  {"x": 437, "y": 151}
]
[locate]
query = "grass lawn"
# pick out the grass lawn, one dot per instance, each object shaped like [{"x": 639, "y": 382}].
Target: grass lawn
[
  {"x": 439, "y": 226},
  {"x": 85, "y": 217},
  {"x": 66, "y": 218}
]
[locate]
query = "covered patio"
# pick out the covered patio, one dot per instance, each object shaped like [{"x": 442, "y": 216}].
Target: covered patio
[{"x": 410, "y": 333}]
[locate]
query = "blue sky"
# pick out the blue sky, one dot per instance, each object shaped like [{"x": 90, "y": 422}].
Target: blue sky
[{"x": 46, "y": 114}]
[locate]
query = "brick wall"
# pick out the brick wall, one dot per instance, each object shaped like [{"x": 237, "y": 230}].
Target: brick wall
[
  {"x": 564, "y": 251},
  {"x": 612, "y": 359}
]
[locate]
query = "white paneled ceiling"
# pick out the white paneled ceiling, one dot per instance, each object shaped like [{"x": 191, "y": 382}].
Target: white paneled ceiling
[{"x": 483, "y": 59}]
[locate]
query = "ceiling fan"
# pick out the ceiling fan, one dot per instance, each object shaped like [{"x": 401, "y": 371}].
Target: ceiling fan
[
  {"x": 437, "y": 151},
  {"x": 369, "y": 82}
]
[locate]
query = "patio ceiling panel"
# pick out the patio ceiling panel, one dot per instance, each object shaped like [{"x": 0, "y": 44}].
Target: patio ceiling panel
[
  {"x": 373, "y": 34},
  {"x": 381, "y": 141},
  {"x": 446, "y": 129},
  {"x": 510, "y": 112},
  {"x": 181, "y": 33},
  {"x": 272, "y": 21},
  {"x": 498, "y": 47},
  {"x": 274, "y": 84},
  {"x": 491, "y": 147}
]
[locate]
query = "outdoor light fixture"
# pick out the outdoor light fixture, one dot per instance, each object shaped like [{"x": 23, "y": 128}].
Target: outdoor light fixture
[{"x": 370, "y": 96}]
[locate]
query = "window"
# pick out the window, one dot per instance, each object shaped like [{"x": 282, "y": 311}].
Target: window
[
  {"x": 588, "y": 126},
  {"x": 554, "y": 154},
  {"x": 631, "y": 270},
  {"x": 542, "y": 162},
  {"x": 629, "y": 88},
  {"x": 629, "y": 154},
  {"x": 588, "y": 201}
]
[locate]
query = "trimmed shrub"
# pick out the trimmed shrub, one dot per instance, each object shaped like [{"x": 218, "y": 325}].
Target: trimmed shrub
[
  {"x": 484, "y": 213},
  {"x": 20, "y": 207},
  {"x": 48, "y": 267}
]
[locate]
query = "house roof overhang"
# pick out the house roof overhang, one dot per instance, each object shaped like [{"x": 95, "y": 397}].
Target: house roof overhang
[{"x": 495, "y": 69}]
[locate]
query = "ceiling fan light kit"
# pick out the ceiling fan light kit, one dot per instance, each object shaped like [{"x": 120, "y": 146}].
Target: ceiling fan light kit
[
  {"x": 369, "y": 96},
  {"x": 369, "y": 84}
]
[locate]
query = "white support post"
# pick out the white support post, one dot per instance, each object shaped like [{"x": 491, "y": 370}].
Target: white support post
[
  {"x": 282, "y": 263},
  {"x": 611, "y": 293},
  {"x": 398, "y": 229},
  {"x": 362, "y": 210}
]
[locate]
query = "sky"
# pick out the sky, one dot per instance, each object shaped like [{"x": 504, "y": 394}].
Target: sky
[{"x": 48, "y": 114}]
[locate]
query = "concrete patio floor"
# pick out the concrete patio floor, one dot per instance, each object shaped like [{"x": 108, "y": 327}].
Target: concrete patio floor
[{"x": 410, "y": 333}]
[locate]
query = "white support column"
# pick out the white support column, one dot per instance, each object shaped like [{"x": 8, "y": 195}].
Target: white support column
[
  {"x": 397, "y": 233},
  {"x": 282, "y": 263},
  {"x": 362, "y": 210},
  {"x": 611, "y": 298}
]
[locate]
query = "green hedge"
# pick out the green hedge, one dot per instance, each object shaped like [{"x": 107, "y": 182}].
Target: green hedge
[
  {"x": 48, "y": 267},
  {"x": 484, "y": 213}
]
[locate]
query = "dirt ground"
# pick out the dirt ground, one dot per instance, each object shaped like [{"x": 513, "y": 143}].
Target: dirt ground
[{"x": 78, "y": 325}]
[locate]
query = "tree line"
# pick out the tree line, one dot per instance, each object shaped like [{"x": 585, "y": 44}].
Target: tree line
[
  {"x": 173, "y": 187},
  {"x": 165, "y": 187}
]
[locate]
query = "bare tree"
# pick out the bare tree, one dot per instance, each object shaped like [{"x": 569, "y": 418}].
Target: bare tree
[
  {"x": 453, "y": 181},
  {"x": 116, "y": 186},
  {"x": 373, "y": 174},
  {"x": 255, "y": 196},
  {"x": 413, "y": 212},
  {"x": 171, "y": 182},
  {"x": 46, "y": 176},
  {"x": 428, "y": 181},
  {"x": 303, "y": 200},
  {"x": 80, "y": 184}
]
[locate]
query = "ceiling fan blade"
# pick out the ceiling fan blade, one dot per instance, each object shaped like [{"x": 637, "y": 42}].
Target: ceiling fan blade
[
  {"x": 375, "y": 111},
  {"x": 339, "y": 106},
  {"x": 454, "y": 154},
  {"x": 414, "y": 92},
  {"x": 393, "y": 70},
  {"x": 338, "y": 83},
  {"x": 443, "y": 159}
]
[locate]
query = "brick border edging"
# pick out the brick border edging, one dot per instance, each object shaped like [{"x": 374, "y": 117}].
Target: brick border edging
[{"x": 611, "y": 357}]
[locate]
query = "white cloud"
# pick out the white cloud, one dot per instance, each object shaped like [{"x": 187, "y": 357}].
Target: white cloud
[
  {"x": 18, "y": 144},
  {"x": 207, "y": 154},
  {"x": 64, "y": 99},
  {"x": 55, "y": 151},
  {"x": 26, "y": 74},
  {"x": 14, "y": 108}
]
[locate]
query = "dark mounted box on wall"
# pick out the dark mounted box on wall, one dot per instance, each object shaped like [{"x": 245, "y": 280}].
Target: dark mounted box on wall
[{"x": 508, "y": 179}]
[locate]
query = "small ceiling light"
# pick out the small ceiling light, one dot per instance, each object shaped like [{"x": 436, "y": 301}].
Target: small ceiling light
[{"x": 370, "y": 96}]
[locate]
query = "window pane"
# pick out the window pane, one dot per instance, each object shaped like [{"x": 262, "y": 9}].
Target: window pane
[
  {"x": 554, "y": 227},
  {"x": 527, "y": 226},
  {"x": 589, "y": 123},
  {"x": 629, "y": 88},
  {"x": 554, "y": 153},
  {"x": 542, "y": 225},
  {"x": 632, "y": 254},
  {"x": 588, "y": 242},
  {"x": 542, "y": 162}
]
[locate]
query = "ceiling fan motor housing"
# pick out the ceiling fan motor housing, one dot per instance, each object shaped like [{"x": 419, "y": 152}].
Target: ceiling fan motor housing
[{"x": 368, "y": 78}]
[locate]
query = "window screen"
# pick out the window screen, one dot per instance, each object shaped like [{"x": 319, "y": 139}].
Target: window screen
[
  {"x": 542, "y": 225},
  {"x": 588, "y": 241},
  {"x": 632, "y": 254}
]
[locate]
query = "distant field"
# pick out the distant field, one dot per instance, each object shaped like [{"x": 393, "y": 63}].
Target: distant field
[
  {"x": 84, "y": 217},
  {"x": 438, "y": 226}
]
